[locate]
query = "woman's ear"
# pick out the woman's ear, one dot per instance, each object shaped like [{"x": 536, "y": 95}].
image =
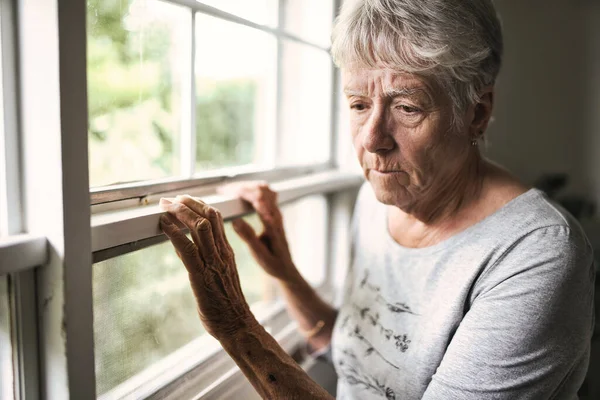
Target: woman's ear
[{"x": 482, "y": 112}]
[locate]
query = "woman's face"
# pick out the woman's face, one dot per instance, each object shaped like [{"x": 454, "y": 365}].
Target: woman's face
[{"x": 403, "y": 135}]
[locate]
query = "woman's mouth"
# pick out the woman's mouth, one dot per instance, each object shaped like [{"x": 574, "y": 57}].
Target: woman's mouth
[{"x": 387, "y": 172}]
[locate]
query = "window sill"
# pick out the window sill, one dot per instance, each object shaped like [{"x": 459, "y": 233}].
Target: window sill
[
  {"x": 119, "y": 232},
  {"x": 22, "y": 252}
]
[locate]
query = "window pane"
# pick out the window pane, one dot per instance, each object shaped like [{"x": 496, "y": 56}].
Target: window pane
[
  {"x": 235, "y": 87},
  {"x": 260, "y": 11},
  {"x": 6, "y": 367},
  {"x": 306, "y": 105},
  {"x": 306, "y": 229},
  {"x": 138, "y": 58},
  {"x": 144, "y": 308},
  {"x": 310, "y": 20}
]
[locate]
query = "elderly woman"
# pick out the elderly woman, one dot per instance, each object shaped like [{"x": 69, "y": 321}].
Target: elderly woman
[{"x": 464, "y": 283}]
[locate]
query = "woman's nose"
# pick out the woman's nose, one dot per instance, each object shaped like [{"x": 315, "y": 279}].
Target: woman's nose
[{"x": 377, "y": 133}]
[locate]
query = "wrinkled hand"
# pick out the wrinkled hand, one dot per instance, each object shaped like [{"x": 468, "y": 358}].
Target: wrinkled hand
[
  {"x": 210, "y": 263},
  {"x": 270, "y": 248}
]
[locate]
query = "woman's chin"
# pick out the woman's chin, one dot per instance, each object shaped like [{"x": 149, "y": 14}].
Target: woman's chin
[{"x": 391, "y": 195}]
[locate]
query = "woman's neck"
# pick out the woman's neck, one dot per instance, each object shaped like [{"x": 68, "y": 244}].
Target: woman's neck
[
  {"x": 456, "y": 206},
  {"x": 454, "y": 189}
]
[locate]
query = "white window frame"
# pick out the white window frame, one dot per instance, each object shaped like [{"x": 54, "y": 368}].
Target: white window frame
[{"x": 68, "y": 227}]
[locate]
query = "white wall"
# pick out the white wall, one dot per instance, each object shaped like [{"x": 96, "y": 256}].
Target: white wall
[{"x": 548, "y": 93}]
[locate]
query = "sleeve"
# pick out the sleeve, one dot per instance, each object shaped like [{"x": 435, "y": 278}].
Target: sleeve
[{"x": 528, "y": 330}]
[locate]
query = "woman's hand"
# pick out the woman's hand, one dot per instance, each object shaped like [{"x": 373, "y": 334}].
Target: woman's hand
[
  {"x": 270, "y": 248},
  {"x": 210, "y": 263},
  {"x": 223, "y": 310}
]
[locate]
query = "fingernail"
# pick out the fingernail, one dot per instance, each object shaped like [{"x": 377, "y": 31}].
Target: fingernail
[
  {"x": 165, "y": 221},
  {"x": 165, "y": 203}
]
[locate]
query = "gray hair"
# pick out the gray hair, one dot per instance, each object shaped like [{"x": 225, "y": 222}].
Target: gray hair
[{"x": 457, "y": 43}]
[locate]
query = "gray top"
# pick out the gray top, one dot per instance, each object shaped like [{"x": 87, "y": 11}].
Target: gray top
[{"x": 502, "y": 310}]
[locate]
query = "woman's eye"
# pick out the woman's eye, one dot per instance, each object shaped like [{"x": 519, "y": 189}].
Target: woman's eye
[
  {"x": 358, "y": 106},
  {"x": 408, "y": 109}
]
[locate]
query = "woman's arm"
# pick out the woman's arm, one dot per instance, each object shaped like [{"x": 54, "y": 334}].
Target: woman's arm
[
  {"x": 222, "y": 308},
  {"x": 270, "y": 249},
  {"x": 314, "y": 316},
  {"x": 272, "y": 372},
  {"x": 527, "y": 332}
]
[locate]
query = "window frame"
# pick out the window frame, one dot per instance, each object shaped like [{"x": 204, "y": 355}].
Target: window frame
[
  {"x": 52, "y": 275},
  {"x": 188, "y": 146},
  {"x": 19, "y": 253}
]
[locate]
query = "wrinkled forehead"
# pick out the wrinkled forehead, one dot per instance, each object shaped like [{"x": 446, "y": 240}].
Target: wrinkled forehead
[{"x": 371, "y": 82}]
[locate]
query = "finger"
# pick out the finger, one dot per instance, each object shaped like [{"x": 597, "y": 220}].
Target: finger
[
  {"x": 186, "y": 250},
  {"x": 200, "y": 229},
  {"x": 212, "y": 214},
  {"x": 248, "y": 235},
  {"x": 267, "y": 242},
  {"x": 165, "y": 201},
  {"x": 264, "y": 201},
  {"x": 207, "y": 249},
  {"x": 252, "y": 192}
]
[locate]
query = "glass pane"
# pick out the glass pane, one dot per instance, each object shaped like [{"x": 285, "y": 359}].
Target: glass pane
[
  {"x": 260, "y": 11},
  {"x": 306, "y": 105},
  {"x": 6, "y": 366},
  {"x": 307, "y": 236},
  {"x": 138, "y": 59},
  {"x": 144, "y": 308},
  {"x": 235, "y": 87},
  {"x": 3, "y": 174},
  {"x": 310, "y": 20}
]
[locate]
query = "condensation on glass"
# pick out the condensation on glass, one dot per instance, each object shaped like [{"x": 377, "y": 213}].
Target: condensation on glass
[
  {"x": 235, "y": 94},
  {"x": 7, "y": 382},
  {"x": 138, "y": 60}
]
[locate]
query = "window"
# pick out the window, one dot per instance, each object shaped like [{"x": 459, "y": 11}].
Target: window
[
  {"x": 253, "y": 87},
  {"x": 136, "y": 73},
  {"x": 235, "y": 94},
  {"x": 7, "y": 378},
  {"x": 186, "y": 95},
  {"x": 262, "y": 12},
  {"x": 176, "y": 96},
  {"x": 144, "y": 310},
  {"x": 6, "y": 355}
]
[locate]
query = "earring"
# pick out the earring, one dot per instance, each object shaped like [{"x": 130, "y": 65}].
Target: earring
[{"x": 474, "y": 140}]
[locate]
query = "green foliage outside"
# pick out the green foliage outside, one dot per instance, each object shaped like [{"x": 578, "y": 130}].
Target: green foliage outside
[
  {"x": 224, "y": 122},
  {"x": 135, "y": 97},
  {"x": 143, "y": 306}
]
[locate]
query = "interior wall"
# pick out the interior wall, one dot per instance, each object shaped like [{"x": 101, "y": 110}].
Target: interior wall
[
  {"x": 593, "y": 150},
  {"x": 548, "y": 93}
]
